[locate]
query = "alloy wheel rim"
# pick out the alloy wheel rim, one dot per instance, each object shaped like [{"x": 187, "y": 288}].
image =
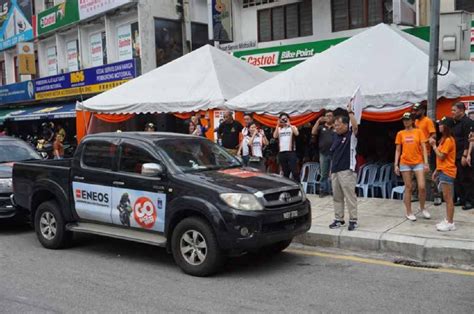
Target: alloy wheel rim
[
  {"x": 193, "y": 247},
  {"x": 48, "y": 225}
]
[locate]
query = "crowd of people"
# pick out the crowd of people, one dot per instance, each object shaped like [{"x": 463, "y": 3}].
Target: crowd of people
[{"x": 430, "y": 161}]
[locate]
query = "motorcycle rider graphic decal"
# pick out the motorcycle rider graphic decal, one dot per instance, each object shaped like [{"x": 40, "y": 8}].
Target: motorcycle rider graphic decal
[{"x": 125, "y": 209}]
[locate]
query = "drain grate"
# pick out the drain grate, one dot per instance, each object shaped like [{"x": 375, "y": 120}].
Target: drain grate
[{"x": 416, "y": 264}]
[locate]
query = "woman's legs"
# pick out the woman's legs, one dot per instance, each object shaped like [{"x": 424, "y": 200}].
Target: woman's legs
[
  {"x": 407, "y": 180},
  {"x": 448, "y": 197},
  {"x": 420, "y": 179}
]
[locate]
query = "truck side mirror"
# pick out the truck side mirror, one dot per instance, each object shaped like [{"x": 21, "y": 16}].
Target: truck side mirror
[{"x": 152, "y": 170}]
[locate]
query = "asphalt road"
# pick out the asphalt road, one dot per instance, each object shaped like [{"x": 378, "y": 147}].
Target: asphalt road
[{"x": 106, "y": 275}]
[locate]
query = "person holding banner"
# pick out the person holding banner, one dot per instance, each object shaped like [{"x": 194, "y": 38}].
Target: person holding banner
[{"x": 343, "y": 163}]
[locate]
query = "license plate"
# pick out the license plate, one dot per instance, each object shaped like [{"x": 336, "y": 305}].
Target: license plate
[{"x": 289, "y": 215}]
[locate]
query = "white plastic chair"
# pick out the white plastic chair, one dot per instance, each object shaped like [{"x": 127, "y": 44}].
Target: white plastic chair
[
  {"x": 383, "y": 181},
  {"x": 399, "y": 190},
  {"x": 369, "y": 173},
  {"x": 309, "y": 174}
]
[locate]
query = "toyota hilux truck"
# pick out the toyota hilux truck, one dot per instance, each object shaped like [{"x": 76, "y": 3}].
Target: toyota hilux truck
[{"x": 181, "y": 192}]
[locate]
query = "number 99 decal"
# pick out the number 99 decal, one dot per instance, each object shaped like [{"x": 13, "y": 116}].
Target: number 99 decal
[{"x": 144, "y": 212}]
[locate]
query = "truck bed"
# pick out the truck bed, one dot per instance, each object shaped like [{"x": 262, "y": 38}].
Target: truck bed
[{"x": 32, "y": 175}]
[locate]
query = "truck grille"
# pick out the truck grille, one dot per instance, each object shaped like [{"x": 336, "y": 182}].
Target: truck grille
[{"x": 281, "y": 198}]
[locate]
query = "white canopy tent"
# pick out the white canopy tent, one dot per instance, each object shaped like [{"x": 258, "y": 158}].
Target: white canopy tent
[
  {"x": 390, "y": 66},
  {"x": 203, "y": 79}
]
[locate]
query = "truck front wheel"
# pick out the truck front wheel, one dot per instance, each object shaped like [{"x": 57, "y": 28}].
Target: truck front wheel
[
  {"x": 195, "y": 248},
  {"x": 50, "y": 226}
]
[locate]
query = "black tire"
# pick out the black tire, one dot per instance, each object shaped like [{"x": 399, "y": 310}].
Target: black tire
[
  {"x": 213, "y": 258},
  {"x": 61, "y": 238}
]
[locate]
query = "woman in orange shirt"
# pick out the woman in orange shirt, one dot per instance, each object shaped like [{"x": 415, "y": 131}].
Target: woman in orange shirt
[
  {"x": 446, "y": 170},
  {"x": 411, "y": 158}
]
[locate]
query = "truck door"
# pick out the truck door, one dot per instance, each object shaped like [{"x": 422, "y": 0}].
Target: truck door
[
  {"x": 92, "y": 181},
  {"x": 138, "y": 201}
]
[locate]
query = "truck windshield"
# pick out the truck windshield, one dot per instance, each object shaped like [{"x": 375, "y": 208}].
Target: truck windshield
[
  {"x": 12, "y": 151},
  {"x": 193, "y": 155}
]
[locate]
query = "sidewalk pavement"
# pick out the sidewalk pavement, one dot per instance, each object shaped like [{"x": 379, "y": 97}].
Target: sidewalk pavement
[{"x": 383, "y": 228}]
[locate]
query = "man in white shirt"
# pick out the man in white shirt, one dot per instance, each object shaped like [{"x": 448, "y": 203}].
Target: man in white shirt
[{"x": 286, "y": 133}]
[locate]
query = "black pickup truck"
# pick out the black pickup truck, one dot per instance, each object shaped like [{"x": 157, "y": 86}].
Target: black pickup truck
[{"x": 181, "y": 192}]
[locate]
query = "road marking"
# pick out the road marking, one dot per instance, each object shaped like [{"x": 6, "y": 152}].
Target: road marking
[{"x": 379, "y": 262}]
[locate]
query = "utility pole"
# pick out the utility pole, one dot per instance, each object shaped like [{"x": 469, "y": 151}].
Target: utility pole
[{"x": 434, "y": 56}]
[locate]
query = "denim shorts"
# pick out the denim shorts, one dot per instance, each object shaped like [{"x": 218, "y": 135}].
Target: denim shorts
[
  {"x": 418, "y": 167},
  {"x": 443, "y": 178}
]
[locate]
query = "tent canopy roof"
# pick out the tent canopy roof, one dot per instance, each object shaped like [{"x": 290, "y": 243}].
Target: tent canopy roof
[
  {"x": 390, "y": 66},
  {"x": 203, "y": 79}
]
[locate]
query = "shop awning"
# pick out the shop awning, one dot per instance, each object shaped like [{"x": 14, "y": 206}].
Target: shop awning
[
  {"x": 4, "y": 114},
  {"x": 43, "y": 112}
]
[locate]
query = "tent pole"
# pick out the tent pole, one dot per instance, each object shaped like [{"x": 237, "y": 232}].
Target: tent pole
[{"x": 434, "y": 56}]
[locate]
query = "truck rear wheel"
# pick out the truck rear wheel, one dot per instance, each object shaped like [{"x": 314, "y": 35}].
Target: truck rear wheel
[
  {"x": 50, "y": 226},
  {"x": 195, "y": 248}
]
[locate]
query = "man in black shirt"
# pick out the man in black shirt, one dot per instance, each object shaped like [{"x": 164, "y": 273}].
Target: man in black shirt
[
  {"x": 343, "y": 175},
  {"x": 323, "y": 132},
  {"x": 463, "y": 183},
  {"x": 229, "y": 131}
]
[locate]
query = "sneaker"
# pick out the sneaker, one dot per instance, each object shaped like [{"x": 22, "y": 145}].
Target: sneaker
[
  {"x": 352, "y": 225},
  {"x": 411, "y": 217},
  {"x": 426, "y": 214},
  {"x": 445, "y": 226},
  {"x": 337, "y": 224},
  {"x": 437, "y": 201}
]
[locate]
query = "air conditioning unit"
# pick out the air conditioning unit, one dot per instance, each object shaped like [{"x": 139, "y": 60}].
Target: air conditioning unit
[{"x": 455, "y": 36}]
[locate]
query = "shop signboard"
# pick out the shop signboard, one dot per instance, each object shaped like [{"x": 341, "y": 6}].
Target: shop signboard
[
  {"x": 72, "y": 56},
  {"x": 15, "y": 22},
  {"x": 222, "y": 20},
  {"x": 125, "y": 45},
  {"x": 52, "y": 59},
  {"x": 90, "y": 8},
  {"x": 96, "y": 50},
  {"x": 26, "y": 58},
  {"x": 12, "y": 93},
  {"x": 89, "y": 81},
  {"x": 58, "y": 16},
  {"x": 280, "y": 58}
]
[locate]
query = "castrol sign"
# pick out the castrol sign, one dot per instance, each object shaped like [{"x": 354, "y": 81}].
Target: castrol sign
[{"x": 263, "y": 60}]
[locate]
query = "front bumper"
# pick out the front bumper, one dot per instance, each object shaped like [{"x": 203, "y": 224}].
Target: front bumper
[
  {"x": 264, "y": 227},
  {"x": 7, "y": 209}
]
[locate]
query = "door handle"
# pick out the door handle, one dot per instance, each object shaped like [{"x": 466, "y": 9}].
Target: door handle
[
  {"x": 78, "y": 178},
  {"x": 118, "y": 183}
]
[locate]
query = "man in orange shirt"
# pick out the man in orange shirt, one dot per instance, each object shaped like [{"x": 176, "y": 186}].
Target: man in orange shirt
[{"x": 427, "y": 126}]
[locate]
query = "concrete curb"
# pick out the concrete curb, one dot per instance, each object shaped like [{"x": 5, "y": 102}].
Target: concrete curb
[{"x": 418, "y": 248}]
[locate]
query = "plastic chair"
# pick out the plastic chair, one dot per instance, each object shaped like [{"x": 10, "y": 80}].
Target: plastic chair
[
  {"x": 400, "y": 190},
  {"x": 383, "y": 181},
  {"x": 309, "y": 174},
  {"x": 369, "y": 173}
]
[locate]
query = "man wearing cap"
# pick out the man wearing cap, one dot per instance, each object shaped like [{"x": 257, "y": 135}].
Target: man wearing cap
[
  {"x": 150, "y": 127},
  {"x": 427, "y": 126},
  {"x": 463, "y": 184}
]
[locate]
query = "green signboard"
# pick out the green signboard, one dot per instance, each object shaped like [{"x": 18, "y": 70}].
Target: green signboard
[
  {"x": 58, "y": 16},
  {"x": 281, "y": 58}
]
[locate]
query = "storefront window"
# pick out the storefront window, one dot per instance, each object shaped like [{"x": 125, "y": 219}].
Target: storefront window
[
  {"x": 352, "y": 14},
  {"x": 52, "y": 59},
  {"x": 200, "y": 34},
  {"x": 168, "y": 41},
  {"x": 128, "y": 41},
  {"x": 3, "y": 73},
  {"x": 466, "y": 5},
  {"x": 72, "y": 56},
  {"x": 284, "y": 22}
]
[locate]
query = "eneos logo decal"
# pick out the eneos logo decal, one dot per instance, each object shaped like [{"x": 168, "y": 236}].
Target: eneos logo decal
[
  {"x": 144, "y": 212},
  {"x": 92, "y": 197}
]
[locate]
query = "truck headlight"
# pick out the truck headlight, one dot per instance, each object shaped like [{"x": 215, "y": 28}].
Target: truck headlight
[
  {"x": 6, "y": 185},
  {"x": 242, "y": 201}
]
